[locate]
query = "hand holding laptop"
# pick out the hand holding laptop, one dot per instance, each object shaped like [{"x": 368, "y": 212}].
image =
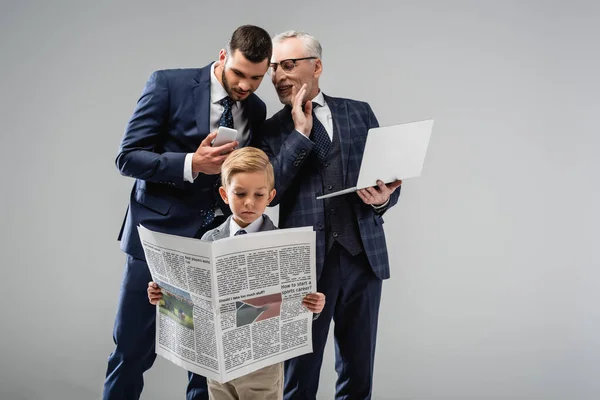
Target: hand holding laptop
[
  {"x": 378, "y": 195},
  {"x": 391, "y": 153}
]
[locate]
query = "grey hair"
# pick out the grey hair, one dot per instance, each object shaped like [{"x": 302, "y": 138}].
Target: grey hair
[{"x": 311, "y": 44}]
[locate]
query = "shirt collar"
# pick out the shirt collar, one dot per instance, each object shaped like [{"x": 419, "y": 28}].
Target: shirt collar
[
  {"x": 319, "y": 99},
  {"x": 217, "y": 91},
  {"x": 253, "y": 227}
]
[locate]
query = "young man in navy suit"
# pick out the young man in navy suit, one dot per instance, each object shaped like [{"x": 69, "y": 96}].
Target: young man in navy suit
[
  {"x": 316, "y": 144},
  {"x": 167, "y": 149}
]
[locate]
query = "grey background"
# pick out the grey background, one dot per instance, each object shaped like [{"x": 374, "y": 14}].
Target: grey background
[{"x": 495, "y": 280}]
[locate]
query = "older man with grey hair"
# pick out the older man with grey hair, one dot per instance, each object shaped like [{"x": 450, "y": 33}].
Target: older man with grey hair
[{"x": 316, "y": 144}]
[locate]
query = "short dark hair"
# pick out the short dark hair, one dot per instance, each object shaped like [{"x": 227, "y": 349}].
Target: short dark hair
[{"x": 253, "y": 42}]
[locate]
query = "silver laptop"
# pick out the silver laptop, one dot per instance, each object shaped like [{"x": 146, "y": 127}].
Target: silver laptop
[{"x": 391, "y": 153}]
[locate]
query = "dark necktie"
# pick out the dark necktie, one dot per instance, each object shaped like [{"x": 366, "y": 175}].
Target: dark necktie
[
  {"x": 227, "y": 117},
  {"x": 240, "y": 232},
  {"x": 320, "y": 137},
  {"x": 209, "y": 217},
  {"x": 226, "y": 121}
]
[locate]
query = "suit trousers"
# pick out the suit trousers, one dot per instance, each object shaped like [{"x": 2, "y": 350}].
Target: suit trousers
[
  {"x": 134, "y": 335},
  {"x": 353, "y": 295}
]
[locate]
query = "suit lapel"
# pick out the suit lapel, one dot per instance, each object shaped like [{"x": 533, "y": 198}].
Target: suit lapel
[
  {"x": 267, "y": 224},
  {"x": 201, "y": 91},
  {"x": 247, "y": 113},
  {"x": 223, "y": 230},
  {"x": 288, "y": 122},
  {"x": 341, "y": 126}
]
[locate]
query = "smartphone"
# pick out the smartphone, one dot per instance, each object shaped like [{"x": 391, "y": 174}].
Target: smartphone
[{"x": 224, "y": 135}]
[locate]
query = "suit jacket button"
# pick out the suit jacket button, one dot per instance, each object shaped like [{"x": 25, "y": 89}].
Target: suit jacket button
[
  {"x": 320, "y": 226},
  {"x": 296, "y": 163}
]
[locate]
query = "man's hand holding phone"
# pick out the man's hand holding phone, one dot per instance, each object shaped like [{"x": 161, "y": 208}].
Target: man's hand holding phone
[
  {"x": 225, "y": 135},
  {"x": 208, "y": 158}
]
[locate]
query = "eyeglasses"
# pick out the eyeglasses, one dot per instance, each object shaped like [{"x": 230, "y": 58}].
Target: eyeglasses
[{"x": 287, "y": 66}]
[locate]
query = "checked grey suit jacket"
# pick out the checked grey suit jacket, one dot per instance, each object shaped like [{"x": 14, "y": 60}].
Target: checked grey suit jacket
[{"x": 298, "y": 180}]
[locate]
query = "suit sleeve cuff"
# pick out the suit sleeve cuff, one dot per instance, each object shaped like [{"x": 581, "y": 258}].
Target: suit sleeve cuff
[{"x": 303, "y": 135}]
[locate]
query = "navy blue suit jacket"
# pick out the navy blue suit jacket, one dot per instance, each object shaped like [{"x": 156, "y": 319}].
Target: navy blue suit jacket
[
  {"x": 170, "y": 120},
  {"x": 298, "y": 181}
]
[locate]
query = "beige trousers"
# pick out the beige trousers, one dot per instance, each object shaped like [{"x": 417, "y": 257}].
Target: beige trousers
[{"x": 264, "y": 384}]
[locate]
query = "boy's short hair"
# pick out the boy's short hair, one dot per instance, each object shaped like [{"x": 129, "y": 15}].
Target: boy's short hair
[{"x": 247, "y": 159}]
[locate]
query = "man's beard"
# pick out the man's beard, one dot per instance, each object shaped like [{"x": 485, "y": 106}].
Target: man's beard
[
  {"x": 230, "y": 92},
  {"x": 286, "y": 101}
]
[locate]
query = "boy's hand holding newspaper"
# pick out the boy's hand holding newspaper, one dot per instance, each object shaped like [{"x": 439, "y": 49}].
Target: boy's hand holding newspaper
[{"x": 314, "y": 302}]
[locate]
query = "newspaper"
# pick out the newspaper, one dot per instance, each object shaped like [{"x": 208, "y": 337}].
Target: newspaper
[{"x": 232, "y": 306}]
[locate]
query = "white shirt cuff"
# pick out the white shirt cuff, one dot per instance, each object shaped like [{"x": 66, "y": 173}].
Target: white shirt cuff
[
  {"x": 381, "y": 206},
  {"x": 188, "y": 175}
]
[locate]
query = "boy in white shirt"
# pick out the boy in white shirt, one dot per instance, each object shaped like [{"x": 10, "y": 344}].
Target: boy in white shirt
[{"x": 248, "y": 188}]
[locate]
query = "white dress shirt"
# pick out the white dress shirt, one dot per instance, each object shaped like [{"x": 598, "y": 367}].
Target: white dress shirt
[
  {"x": 253, "y": 227},
  {"x": 323, "y": 114},
  {"x": 218, "y": 93}
]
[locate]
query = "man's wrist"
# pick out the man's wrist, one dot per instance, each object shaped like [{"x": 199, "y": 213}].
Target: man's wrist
[
  {"x": 303, "y": 135},
  {"x": 302, "y": 130},
  {"x": 188, "y": 174},
  {"x": 380, "y": 206}
]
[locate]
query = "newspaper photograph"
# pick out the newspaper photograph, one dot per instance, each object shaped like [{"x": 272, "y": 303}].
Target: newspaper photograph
[{"x": 232, "y": 306}]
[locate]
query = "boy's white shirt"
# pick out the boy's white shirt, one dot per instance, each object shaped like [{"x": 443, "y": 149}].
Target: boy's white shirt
[{"x": 253, "y": 227}]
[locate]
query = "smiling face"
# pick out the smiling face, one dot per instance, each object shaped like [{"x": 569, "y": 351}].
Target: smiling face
[
  {"x": 247, "y": 194},
  {"x": 304, "y": 71}
]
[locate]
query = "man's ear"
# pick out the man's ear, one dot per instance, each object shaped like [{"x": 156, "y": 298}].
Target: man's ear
[
  {"x": 271, "y": 196},
  {"x": 223, "y": 194},
  {"x": 222, "y": 57},
  {"x": 318, "y": 68}
]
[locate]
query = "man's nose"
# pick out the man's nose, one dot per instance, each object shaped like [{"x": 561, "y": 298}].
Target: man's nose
[
  {"x": 277, "y": 75},
  {"x": 244, "y": 85}
]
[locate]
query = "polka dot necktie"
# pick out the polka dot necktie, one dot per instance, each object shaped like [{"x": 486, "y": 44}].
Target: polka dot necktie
[
  {"x": 209, "y": 217},
  {"x": 226, "y": 121},
  {"x": 227, "y": 117},
  {"x": 320, "y": 137}
]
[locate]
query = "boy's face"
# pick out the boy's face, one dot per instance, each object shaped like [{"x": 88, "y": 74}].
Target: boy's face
[{"x": 248, "y": 195}]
